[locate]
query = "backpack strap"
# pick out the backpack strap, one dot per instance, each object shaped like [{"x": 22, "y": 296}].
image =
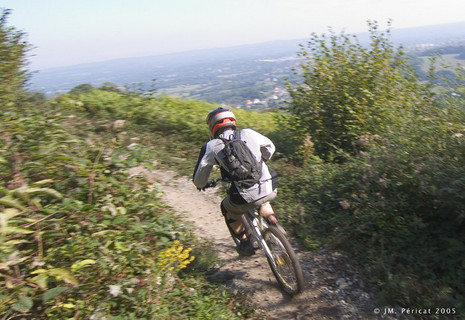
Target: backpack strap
[{"x": 237, "y": 134}]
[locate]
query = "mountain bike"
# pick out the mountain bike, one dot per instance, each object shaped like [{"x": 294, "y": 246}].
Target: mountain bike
[{"x": 279, "y": 252}]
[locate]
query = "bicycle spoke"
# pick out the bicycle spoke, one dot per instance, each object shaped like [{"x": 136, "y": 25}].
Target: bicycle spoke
[
  {"x": 283, "y": 262},
  {"x": 279, "y": 252}
]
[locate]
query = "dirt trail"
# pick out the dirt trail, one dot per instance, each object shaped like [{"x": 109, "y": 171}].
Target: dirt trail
[{"x": 334, "y": 290}]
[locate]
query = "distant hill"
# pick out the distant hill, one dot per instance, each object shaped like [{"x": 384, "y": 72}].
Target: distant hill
[
  {"x": 237, "y": 75},
  {"x": 163, "y": 67}
]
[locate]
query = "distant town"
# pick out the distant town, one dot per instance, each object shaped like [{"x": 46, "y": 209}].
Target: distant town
[{"x": 251, "y": 77}]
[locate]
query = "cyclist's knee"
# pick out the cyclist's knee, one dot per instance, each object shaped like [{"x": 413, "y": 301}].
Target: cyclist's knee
[
  {"x": 233, "y": 216},
  {"x": 223, "y": 209},
  {"x": 230, "y": 212}
]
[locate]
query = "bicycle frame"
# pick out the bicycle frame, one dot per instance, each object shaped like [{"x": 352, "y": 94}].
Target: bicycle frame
[
  {"x": 256, "y": 224},
  {"x": 272, "y": 238}
]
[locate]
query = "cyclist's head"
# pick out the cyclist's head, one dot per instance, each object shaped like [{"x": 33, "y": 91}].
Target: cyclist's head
[{"x": 220, "y": 118}]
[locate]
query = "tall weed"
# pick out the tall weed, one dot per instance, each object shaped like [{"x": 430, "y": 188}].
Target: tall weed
[{"x": 79, "y": 237}]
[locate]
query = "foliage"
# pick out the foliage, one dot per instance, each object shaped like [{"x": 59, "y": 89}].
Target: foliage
[
  {"x": 176, "y": 126},
  {"x": 395, "y": 202},
  {"x": 402, "y": 216},
  {"x": 13, "y": 49},
  {"x": 80, "y": 238},
  {"x": 349, "y": 91}
]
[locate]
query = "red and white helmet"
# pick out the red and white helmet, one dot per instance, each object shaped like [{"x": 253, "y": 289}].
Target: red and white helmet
[{"x": 220, "y": 118}]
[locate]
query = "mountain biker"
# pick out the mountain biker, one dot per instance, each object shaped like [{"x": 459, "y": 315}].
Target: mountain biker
[{"x": 240, "y": 199}]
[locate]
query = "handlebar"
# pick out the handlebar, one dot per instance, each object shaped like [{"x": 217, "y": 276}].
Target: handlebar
[{"x": 213, "y": 183}]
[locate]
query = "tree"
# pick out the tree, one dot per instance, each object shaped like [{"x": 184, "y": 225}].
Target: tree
[
  {"x": 350, "y": 90},
  {"x": 13, "y": 62},
  {"x": 81, "y": 88}
]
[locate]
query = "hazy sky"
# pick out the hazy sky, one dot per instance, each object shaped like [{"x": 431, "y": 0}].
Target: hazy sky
[{"x": 67, "y": 32}]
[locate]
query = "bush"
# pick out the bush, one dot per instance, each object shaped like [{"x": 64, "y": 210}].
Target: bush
[
  {"x": 400, "y": 215},
  {"x": 394, "y": 200},
  {"x": 349, "y": 90},
  {"x": 13, "y": 49},
  {"x": 80, "y": 238}
]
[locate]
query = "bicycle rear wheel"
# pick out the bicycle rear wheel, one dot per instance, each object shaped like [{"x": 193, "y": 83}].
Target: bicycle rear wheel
[{"x": 283, "y": 261}]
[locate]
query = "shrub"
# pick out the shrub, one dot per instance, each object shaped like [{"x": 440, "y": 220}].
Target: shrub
[
  {"x": 80, "y": 238},
  {"x": 393, "y": 201},
  {"x": 349, "y": 90},
  {"x": 13, "y": 60}
]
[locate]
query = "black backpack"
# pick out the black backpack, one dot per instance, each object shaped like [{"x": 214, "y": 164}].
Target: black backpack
[{"x": 241, "y": 165}]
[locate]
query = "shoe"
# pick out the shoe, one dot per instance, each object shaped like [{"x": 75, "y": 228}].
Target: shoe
[{"x": 245, "y": 248}]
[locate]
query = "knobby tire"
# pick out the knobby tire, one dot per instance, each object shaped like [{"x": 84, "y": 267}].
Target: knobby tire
[{"x": 288, "y": 271}]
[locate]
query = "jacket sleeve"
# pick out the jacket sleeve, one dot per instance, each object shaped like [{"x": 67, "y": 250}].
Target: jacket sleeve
[
  {"x": 204, "y": 166},
  {"x": 267, "y": 148}
]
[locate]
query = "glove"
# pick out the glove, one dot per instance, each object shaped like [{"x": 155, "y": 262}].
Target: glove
[{"x": 210, "y": 184}]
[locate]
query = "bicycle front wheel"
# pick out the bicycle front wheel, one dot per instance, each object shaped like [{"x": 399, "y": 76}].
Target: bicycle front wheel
[{"x": 283, "y": 261}]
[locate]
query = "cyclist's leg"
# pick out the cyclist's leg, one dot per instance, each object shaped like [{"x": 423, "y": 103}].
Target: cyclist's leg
[
  {"x": 235, "y": 225},
  {"x": 232, "y": 213},
  {"x": 266, "y": 210}
]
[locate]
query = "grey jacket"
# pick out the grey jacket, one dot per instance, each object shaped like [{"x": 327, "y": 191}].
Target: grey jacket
[{"x": 262, "y": 148}]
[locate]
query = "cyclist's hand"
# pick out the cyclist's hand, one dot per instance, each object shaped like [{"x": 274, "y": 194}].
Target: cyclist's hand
[{"x": 210, "y": 184}]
